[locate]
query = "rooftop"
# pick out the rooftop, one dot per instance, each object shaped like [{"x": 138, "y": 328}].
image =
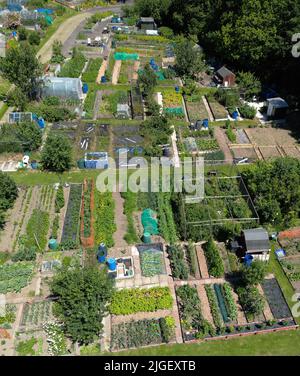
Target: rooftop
[
  {"x": 257, "y": 240},
  {"x": 224, "y": 72},
  {"x": 278, "y": 102}
]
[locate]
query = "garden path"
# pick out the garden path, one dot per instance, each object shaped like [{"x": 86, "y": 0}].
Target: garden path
[
  {"x": 102, "y": 71},
  {"x": 202, "y": 262},
  {"x": 116, "y": 72},
  {"x": 221, "y": 139},
  {"x": 121, "y": 221},
  {"x": 210, "y": 115},
  {"x": 205, "y": 307},
  {"x": 136, "y": 67},
  {"x": 267, "y": 311},
  {"x": 241, "y": 318}
]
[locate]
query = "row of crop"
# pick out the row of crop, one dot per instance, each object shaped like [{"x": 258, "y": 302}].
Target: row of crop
[
  {"x": 177, "y": 262},
  {"x": 89, "y": 101},
  {"x": 130, "y": 206},
  {"x": 71, "y": 223},
  {"x": 104, "y": 218},
  {"x": 92, "y": 70},
  {"x": 191, "y": 258},
  {"x": 37, "y": 230},
  {"x": 25, "y": 201},
  {"x": 87, "y": 235},
  {"x": 166, "y": 222},
  {"x": 142, "y": 333},
  {"x": 229, "y": 302},
  {"x": 214, "y": 307},
  {"x": 13, "y": 277},
  {"x": 128, "y": 301},
  {"x": 213, "y": 259},
  {"x": 190, "y": 314}
]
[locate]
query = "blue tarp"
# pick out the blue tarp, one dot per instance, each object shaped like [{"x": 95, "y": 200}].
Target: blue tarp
[{"x": 45, "y": 11}]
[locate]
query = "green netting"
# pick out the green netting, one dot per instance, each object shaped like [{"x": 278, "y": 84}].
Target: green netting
[
  {"x": 160, "y": 75},
  {"x": 149, "y": 222},
  {"x": 175, "y": 110},
  {"x": 125, "y": 56},
  {"x": 221, "y": 302},
  {"x": 49, "y": 20}
]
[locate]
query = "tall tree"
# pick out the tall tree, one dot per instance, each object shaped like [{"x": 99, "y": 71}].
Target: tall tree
[
  {"x": 57, "y": 154},
  {"x": 22, "y": 68},
  {"x": 147, "y": 80},
  {"x": 83, "y": 294},
  {"x": 189, "y": 60}
]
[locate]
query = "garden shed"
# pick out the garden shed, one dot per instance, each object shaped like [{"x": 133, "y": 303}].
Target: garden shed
[
  {"x": 277, "y": 108},
  {"x": 146, "y": 23},
  {"x": 256, "y": 243},
  {"x": 63, "y": 87},
  {"x": 225, "y": 77}
]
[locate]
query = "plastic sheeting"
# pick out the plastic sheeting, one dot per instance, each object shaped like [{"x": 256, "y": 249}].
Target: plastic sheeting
[{"x": 63, "y": 87}]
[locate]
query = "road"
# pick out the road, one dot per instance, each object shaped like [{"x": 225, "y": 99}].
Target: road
[{"x": 69, "y": 27}]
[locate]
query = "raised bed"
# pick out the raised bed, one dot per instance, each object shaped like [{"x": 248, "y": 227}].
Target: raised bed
[
  {"x": 276, "y": 300},
  {"x": 87, "y": 235}
]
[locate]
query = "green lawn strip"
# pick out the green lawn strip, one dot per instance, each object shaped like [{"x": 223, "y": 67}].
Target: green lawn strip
[
  {"x": 3, "y": 110},
  {"x": 281, "y": 343},
  {"x": 286, "y": 287}
]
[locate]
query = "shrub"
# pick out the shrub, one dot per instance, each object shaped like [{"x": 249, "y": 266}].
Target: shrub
[
  {"x": 178, "y": 265},
  {"x": 167, "y": 326},
  {"x": 251, "y": 300},
  {"x": 247, "y": 111},
  {"x": 214, "y": 260},
  {"x": 59, "y": 199}
]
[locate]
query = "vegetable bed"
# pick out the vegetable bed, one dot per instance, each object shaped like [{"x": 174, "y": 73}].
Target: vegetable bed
[
  {"x": 128, "y": 301},
  {"x": 152, "y": 263},
  {"x": 136, "y": 334},
  {"x": 91, "y": 73},
  {"x": 13, "y": 277},
  {"x": 70, "y": 238}
]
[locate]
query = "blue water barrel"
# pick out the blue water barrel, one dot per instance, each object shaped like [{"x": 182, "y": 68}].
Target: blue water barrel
[
  {"x": 112, "y": 264},
  {"x": 85, "y": 88},
  {"x": 52, "y": 244},
  {"x": 205, "y": 123},
  {"x": 41, "y": 123},
  {"x": 34, "y": 165},
  {"x": 248, "y": 260},
  {"x": 235, "y": 115},
  {"x": 177, "y": 89},
  {"x": 103, "y": 79}
]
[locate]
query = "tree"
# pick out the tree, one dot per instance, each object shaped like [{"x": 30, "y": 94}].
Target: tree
[
  {"x": 274, "y": 187},
  {"x": 255, "y": 273},
  {"x": 57, "y": 56},
  {"x": 8, "y": 191},
  {"x": 17, "y": 98},
  {"x": 147, "y": 80},
  {"x": 83, "y": 295},
  {"x": 34, "y": 38},
  {"x": 249, "y": 85},
  {"x": 30, "y": 135},
  {"x": 22, "y": 33},
  {"x": 21, "y": 67},
  {"x": 158, "y": 9},
  {"x": 189, "y": 60},
  {"x": 57, "y": 154}
]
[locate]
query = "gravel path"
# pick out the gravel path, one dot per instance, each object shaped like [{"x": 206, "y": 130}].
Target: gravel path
[
  {"x": 220, "y": 137},
  {"x": 116, "y": 72},
  {"x": 202, "y": 262},
  {"x": 205, "y": 308}
]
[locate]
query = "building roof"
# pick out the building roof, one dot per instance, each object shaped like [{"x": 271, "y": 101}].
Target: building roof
[
  {"x": 224, "y": 72},
  {"x": 257, "y": 240},
  {"x": 146, "y": 19},
  {"x": 278, "y": 102}
]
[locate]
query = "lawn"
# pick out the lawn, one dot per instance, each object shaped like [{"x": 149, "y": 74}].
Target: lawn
[{"x": 282, "y": 343}]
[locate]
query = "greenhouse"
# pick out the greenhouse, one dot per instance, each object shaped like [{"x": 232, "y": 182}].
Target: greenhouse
[{"x": 63, "y": 87}]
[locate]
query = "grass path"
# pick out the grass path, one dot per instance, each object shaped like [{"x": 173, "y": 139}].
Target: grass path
[{"x": 281, "y": 343}]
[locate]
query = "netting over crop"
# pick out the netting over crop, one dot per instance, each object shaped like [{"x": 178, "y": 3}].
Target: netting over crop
[
  {"x": 149, "y": 222},
  {"x": 125, "y": 56}
]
